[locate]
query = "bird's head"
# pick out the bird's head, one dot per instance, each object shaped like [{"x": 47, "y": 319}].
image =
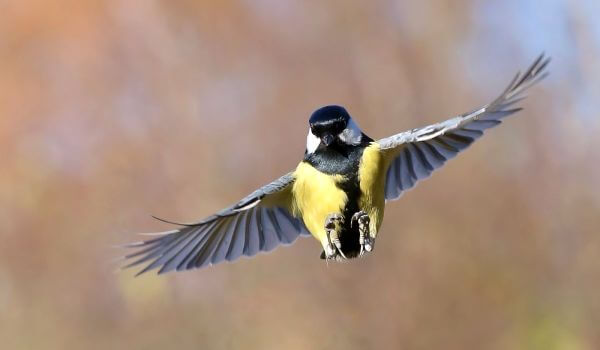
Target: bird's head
[{"x": 330, "y": 126}]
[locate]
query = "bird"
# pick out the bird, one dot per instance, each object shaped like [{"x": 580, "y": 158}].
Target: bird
[{"x": 337, "y": 193}]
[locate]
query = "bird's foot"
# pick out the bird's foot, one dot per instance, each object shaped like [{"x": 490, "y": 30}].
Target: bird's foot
[
  {"x": 333, "y": 226},
  {"x": 364, "y": 235}
]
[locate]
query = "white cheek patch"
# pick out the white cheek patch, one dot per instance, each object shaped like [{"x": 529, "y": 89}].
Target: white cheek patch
[
  {"x": 352, "y": 135},
  {"x": 312, "y": 142}
]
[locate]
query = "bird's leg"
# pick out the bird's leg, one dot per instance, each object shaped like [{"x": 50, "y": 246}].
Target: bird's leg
[
  {"x": 364, "y": 235},
  {"x": 333, "y": 225}
]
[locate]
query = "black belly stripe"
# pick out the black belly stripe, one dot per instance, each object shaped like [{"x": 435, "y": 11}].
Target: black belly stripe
[{"x": 349, "y": 234}]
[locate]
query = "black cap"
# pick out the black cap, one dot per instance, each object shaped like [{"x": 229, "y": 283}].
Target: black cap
[{"x": 329, "y": 115}]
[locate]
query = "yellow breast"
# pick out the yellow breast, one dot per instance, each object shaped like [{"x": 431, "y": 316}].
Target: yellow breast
[
  {"x": 371, "y": 174},
  {"x": 316, "y": 196}
]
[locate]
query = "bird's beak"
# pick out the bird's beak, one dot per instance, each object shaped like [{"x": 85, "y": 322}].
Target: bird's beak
[{"x": 327, "y": 139}]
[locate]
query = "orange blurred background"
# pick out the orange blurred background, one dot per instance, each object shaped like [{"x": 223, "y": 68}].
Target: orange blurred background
[{"x": 111, "y": 111}]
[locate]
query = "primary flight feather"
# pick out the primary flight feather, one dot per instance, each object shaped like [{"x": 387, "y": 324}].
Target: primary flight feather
[{"x": 337, "y": 193}]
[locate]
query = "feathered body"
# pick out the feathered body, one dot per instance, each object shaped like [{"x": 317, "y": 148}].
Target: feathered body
[{"x": 341, "y": 179}]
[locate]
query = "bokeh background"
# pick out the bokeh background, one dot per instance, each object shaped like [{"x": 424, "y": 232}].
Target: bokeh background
[{"x": 111, "y": 111}]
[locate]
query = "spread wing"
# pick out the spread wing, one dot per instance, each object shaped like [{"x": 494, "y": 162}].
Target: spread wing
[
  {"x": 258, "y": 223},
  {"x": 416, "y": 153}
]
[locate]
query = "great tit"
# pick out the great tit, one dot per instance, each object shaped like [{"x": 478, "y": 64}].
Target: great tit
[{"x": 337, "y": 193}]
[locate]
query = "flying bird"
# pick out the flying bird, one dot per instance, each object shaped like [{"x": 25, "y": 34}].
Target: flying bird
[{"x": 337, "y": 193}]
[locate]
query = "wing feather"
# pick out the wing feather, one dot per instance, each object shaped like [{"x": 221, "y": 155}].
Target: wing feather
[
  {"x": 186, "y": 259},
  {"x": 225, "y": 244},
  {"x": 258, "y": 223},
  {"x": 416, "y": 153},
  {"x": 289, "y": 226},
  {"x": 207, "y": 252},
  {"x": 253, "y": 235},
  {"x": 269, "y": 231},
  {"x": 405, "y": 170},
  {"x": 392, "y": 187},
  {"x": 236, "y": 249}
]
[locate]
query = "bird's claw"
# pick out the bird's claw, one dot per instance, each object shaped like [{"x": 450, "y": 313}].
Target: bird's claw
[
  {"x": 364, "y": 236},
  {"x": 333, "y": 249}
]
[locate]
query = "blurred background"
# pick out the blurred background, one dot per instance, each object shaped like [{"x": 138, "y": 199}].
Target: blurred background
[{"x": 111, "y": 111}]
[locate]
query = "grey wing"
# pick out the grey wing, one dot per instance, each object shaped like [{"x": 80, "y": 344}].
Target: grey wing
[
  {"x": 258, "y": 223},
  {"x": 415, "y": 154}
]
